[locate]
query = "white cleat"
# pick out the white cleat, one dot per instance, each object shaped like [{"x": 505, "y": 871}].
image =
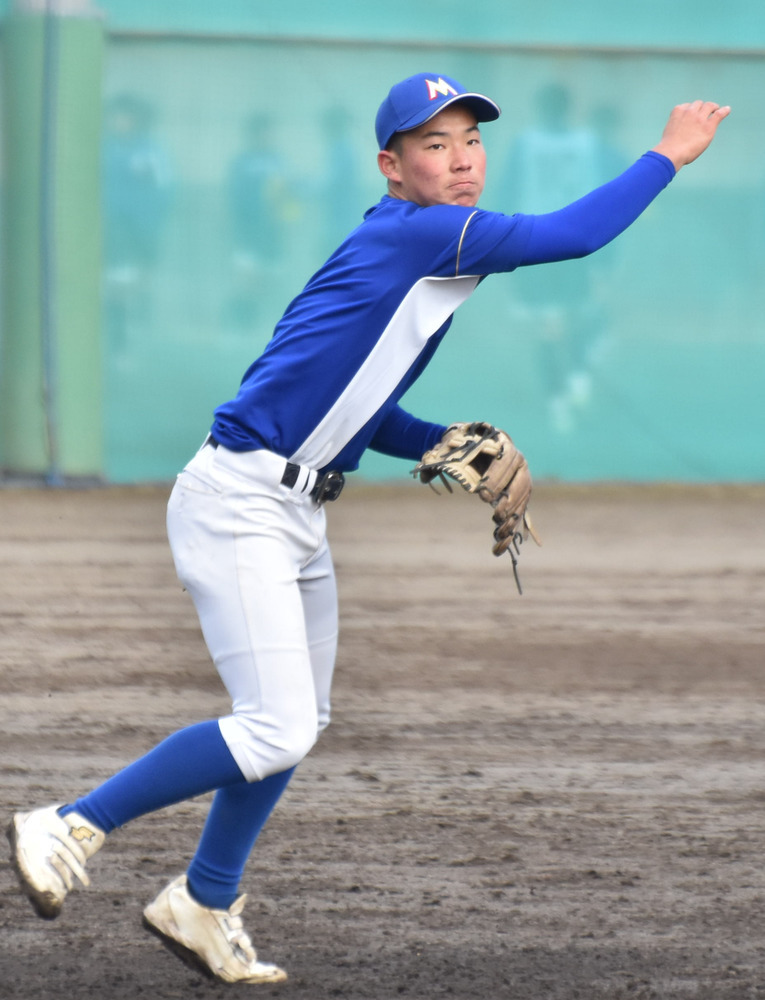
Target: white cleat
[
  {"x": 213, "y": 940},
  {"x": 48, "y": 851}
]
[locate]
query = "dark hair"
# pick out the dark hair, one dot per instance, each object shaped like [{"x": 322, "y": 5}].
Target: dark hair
[{"x": 395, "y": 143}]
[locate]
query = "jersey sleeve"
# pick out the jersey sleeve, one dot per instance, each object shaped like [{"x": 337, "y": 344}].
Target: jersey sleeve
[
  {"x": 593, "y": 221},
  {"x": 492, "y": 242},
  {"x": 404, "y": 436}
]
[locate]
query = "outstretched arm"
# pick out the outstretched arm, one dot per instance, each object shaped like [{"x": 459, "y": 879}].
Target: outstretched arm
[
  {"x": 689, "y": 130},
  {"x": 593, "y": 221}
]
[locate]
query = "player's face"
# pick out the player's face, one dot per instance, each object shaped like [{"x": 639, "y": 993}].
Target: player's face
[{"x": 443, "y": 162}]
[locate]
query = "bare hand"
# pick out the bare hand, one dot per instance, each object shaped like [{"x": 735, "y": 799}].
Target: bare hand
[{"x": 690, "y": 129}]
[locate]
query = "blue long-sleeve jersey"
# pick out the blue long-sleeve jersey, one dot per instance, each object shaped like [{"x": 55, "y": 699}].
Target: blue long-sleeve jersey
[{"x": 366, "y": 325}]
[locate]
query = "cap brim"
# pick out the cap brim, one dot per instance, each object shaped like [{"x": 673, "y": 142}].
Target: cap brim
[{"x": 484, "y": 109}]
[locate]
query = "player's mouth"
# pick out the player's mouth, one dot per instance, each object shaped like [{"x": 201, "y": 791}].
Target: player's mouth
[{"x": 463, "y": 190}]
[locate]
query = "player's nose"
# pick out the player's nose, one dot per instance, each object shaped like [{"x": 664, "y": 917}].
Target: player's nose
[{"x": 461, "y": 159}]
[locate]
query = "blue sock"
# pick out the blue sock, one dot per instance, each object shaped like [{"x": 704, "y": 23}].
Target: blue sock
[
  {"x": 191, "y": 762},
  {"x": 237, "y": 816}
]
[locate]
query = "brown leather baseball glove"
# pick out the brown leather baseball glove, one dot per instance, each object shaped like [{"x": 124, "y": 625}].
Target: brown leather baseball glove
[{"x": 484, "y": 460}]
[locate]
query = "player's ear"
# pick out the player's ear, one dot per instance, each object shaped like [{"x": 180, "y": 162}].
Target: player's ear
[{"x": 387, "y": 161}]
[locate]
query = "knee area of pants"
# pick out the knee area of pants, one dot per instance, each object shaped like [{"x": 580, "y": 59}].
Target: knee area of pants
[
  {"x": 283, "y": 748},
  {"x": 291, "y": 755}
]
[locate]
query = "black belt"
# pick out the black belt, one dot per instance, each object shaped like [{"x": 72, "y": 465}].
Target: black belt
[{"x": 327, "y": 487}]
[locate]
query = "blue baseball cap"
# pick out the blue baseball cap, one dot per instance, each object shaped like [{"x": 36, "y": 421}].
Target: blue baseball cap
[{"x": 419, "y": 98}]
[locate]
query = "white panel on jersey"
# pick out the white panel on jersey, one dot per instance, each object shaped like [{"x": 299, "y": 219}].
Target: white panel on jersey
[{"x": 423, "y": 311}]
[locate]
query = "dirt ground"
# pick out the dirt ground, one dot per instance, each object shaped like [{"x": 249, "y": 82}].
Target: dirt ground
[{"x": 558, "y": 795}]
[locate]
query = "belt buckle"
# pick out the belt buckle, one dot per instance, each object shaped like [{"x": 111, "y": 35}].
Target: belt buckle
[{"x": 328, "y": 487}]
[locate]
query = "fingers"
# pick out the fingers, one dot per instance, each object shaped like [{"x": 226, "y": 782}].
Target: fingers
[
  {"x": 721, "y": 112},
  {"x": 710, "y": 109},
  {"x": 690, "y": 129},
  {"x": 701, "y": 111}
]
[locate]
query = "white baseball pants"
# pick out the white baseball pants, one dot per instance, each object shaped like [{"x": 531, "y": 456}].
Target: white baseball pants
[{"x": 254, "y": 556}]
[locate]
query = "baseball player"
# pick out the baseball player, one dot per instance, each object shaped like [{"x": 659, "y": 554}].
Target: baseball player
[{"x": 246, "y": 518}]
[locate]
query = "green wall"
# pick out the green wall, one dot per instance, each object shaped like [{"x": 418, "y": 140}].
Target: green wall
[
  {"x": 666, "y": 324},
  {"x": 675, "y": 23},
  {"x": 51, "y": 376}
]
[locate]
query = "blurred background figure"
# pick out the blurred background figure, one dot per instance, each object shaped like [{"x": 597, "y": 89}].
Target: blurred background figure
[
  {"x": 136, "y": 190},
  {"x": 260, "y": 208},
  {"x": 339, "y": 195},
  {"x": 550, "y": 165}
]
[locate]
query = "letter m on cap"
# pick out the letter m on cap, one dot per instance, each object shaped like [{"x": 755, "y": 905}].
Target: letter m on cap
[{"x": 439, "y": 86}]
